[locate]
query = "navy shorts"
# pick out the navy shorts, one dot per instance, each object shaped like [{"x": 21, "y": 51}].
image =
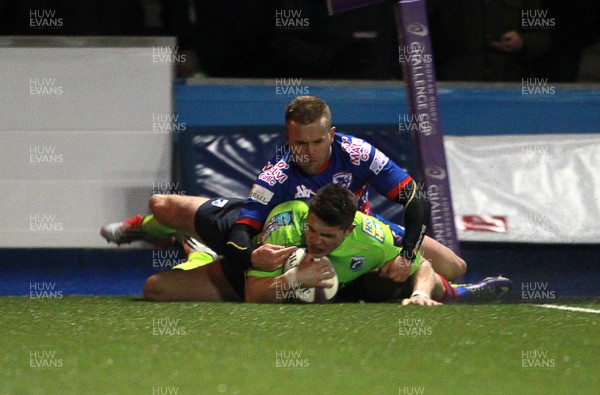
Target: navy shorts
[
  {"x": 214, "y": 219},
  {"x": 213, "y": 222}
]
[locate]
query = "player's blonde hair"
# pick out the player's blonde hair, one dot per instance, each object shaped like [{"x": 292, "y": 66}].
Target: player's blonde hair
[{"x": 308, "y": 109}]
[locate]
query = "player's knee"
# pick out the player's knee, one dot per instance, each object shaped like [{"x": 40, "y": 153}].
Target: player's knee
[
  {"x": 157, "y": 202},
  {"x": 159, "y": 205},
  {"x": 461, "y": 265},
  {"x": 152, "y": 289}
]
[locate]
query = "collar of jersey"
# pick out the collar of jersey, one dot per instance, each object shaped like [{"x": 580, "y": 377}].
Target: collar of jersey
[{"x": 321, "y": 170}]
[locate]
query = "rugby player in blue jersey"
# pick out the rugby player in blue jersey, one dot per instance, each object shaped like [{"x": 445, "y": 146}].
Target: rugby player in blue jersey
[{"x": 317, "y": 156}]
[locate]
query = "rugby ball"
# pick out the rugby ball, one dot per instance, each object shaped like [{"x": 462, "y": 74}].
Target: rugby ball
[{"x": 310, "y": 295}]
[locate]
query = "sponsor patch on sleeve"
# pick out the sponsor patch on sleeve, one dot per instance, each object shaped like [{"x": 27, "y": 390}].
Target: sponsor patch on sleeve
[
  {"x": 275, "y": 174},
  {"x": 379, "y": 162},
  {"x": 260, "y": 194},
  {"x": 220, "y": 202}
]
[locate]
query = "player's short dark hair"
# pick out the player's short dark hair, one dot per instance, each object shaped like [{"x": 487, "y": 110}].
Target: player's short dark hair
[
  {"x": 307, "y": 109},
  {"x": 334, "y": 205}
]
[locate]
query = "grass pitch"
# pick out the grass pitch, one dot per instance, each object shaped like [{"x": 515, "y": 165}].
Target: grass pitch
[{"x": 119, "y": 345}]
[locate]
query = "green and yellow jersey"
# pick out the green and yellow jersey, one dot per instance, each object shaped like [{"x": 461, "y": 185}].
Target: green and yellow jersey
[{"x": 369, "y": 246}]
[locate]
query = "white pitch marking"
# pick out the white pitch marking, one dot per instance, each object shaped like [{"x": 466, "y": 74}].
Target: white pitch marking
[{"x": 569, "y": 308}]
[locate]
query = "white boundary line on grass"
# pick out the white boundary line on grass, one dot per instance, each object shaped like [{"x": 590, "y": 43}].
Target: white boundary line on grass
[{"x": 569, "y": 308}]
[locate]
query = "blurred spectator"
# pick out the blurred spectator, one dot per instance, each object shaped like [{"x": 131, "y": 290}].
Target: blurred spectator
[
  {"x": 575, "y": 28},
  {"x": 178, "y": 19},
  {"x": 483, "y": 40},
  {"x": 358, "y": 44}
]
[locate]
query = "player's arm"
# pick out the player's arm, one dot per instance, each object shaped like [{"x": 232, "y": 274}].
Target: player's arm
[
  {"x": 399, "y": 269},
  {"x": 394, "y": 183},
  {"x": 426, "y": 288},
  {"x": 239, "y": 247},
  {"x": 416, "y": 217},
  {"x": 269, "y": 257},
  {"x": 257, "y": 206},
  {"x": 277, "y": 287},
  {"x": 264, "y": 196}
]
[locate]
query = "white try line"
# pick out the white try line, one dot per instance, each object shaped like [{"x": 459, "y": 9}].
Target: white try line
[{"x": 568, "y": 308}]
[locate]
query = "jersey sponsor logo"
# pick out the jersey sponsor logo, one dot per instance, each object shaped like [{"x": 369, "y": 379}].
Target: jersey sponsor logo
[
  {"x": 379, "y": 162},
  {"x": 356, "y": 263},
  {"x": 358, "y": 149},
  {"x": 373, "y": 229},
  {"x": 303, "y": 192},
  {"x": 219, "y": 202},
  {"x": 275, "y": 173},
  {"x": 282, "y": 219},
  {"x": 342, "y": 179},
  {"x": 261, "y": 194},
  {"x": 267, "y": 166}
]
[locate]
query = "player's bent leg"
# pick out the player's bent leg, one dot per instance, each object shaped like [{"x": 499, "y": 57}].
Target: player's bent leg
[
  {"x": 139, "y": 228},
  {"x": 176, "y": 211},
  {"x": 204, "y": 284},
  {"x": 443, "y": 260}
]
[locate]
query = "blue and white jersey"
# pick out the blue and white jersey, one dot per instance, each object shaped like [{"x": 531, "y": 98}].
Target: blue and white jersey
[{"x": 354, "y": 163}]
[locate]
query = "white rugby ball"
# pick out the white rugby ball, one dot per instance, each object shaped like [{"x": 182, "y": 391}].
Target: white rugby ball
[{"x": 311, "y": 295}]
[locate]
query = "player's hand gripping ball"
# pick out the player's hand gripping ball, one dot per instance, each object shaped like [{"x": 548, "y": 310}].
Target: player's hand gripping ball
[{"x": 317, "y": 294}]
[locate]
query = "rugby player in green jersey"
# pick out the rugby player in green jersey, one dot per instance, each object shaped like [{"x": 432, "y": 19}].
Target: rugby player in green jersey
[
  {"x": 357, "y": 244},
  {"x": 354, "y": 242},
  {"x": 199, "y": 279}
]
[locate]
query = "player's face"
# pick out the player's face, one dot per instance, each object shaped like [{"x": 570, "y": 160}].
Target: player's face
[
  {"x": 322, "y": 239},
  {"x": 310, "y": 145}
]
